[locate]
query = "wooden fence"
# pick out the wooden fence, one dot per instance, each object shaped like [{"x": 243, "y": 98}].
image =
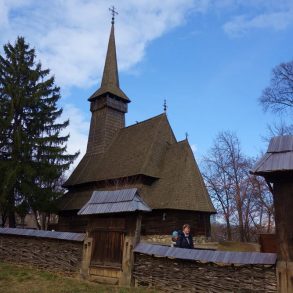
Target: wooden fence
[
  {"x": 49, "y": 254},
  {"x": 175, "y": 275}
]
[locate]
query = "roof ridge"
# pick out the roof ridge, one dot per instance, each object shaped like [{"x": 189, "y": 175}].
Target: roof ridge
[
  {"x": 147, "y": 120},
  {"x": 260, "y": 162},
  {"x": 183, "y": 141}
]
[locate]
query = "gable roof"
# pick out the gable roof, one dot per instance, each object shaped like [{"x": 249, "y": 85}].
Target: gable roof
[
  {"x": 137, "y": 149},
  {"x": 148, "y": 148},
  {"x": 278, "y": 158},
  {"x": 181, "y": 185},
  {"x": 114, "y": 201}
]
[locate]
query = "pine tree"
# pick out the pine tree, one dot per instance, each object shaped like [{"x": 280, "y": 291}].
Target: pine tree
[{"x": 33, "y": 153}]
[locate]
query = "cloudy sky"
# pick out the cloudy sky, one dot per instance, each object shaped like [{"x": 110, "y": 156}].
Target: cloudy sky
[{"x": 210, "y": 59}]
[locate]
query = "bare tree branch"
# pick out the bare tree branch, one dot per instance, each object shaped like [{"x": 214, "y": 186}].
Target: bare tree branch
[{"x": 278, "y": 97}]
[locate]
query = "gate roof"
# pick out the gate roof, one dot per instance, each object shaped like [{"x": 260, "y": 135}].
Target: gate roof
[
  {"x": 114, "y": 201},
  {"x": 278, "y": 158}
]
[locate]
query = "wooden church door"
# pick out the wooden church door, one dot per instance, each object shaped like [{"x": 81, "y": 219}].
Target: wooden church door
[{"x": 108, "y": 248}]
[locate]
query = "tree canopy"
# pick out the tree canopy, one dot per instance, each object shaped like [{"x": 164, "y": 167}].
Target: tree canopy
[
  {"x": 33, "y": 154},
  {"x": 242, "y": 200}
]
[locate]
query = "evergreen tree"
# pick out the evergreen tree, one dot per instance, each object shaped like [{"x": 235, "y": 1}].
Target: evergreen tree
[{"x": 33, "y": 153}]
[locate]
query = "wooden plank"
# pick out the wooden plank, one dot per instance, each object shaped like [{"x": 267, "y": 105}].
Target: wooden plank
[
  {"x": 163, "y": 222},
  {"x": 108, "y": 248}
]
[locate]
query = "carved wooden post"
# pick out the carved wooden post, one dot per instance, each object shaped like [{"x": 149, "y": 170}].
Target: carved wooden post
[
  {"x": 277, "y": 168},
  {"x": 86, "y": 256},
  {"x": 283, "y": 201},
  {"x": 130, "y": 242}
]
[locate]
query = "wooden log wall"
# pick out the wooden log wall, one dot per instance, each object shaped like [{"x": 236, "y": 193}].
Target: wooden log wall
[
  {"x": 69, "y": 221},
  {"x": 163, "y": 222},
  {"x": 173, "y": 275},
  {"x": 49, "y": 254}
]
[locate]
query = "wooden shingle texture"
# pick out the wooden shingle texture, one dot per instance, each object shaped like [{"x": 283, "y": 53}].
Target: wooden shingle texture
[
  {"x": 110, "y": 80},
  {"x": 147, "y": 148},
  {"x": 278, "y": 158}
]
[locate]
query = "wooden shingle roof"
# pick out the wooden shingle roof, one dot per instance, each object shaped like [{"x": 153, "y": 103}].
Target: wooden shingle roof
[
  {"x": 110, "y": 79},
  {"x": 278, "y": 158},
  {"x": 148, "y": 148},
  {"x": 181, "y": 185},
  {"x": 137, "y": 149}
]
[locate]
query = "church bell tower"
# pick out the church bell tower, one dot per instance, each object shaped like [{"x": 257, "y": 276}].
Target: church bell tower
[{"x": 108, "y": 103}]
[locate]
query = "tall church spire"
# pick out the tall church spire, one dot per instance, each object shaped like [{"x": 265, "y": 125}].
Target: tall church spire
[
  {"x": 110, "y": 79},
  {"x": 108, "y": 103},
  {"x": 110, "y": 74}
]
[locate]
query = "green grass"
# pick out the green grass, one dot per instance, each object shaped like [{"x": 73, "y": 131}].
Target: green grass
[{"x": 21, "y": 279}]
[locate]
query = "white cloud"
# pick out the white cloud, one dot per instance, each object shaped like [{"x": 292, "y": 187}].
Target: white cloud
[
  {"x": 78, "y": 130},
  {"x": 5, "y": 8},
  {"x": 259, "y": 14},
  {"x": 241, "y": 24},
  {"x": 71, "y": 35}
]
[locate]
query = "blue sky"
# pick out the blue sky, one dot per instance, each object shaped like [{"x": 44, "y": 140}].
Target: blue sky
[{"x": 209, "y": 59}]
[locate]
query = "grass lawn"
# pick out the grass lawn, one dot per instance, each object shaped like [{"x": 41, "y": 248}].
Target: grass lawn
[{"x": 20, "y": 279}]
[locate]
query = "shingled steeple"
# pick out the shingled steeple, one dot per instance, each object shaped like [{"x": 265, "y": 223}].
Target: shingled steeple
[
  {"x": 108, "y": 103},
  {"x": 110, "y": 79}
]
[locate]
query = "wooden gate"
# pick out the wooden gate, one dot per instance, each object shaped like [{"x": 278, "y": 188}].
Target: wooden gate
[{"x": 108, "y": 248}]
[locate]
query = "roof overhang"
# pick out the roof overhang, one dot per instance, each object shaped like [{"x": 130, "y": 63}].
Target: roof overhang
[
  {"x": 114, "y": 201},
  {"x": 278, "y": 160}
]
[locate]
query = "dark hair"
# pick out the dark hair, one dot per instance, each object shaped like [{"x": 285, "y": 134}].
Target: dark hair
[{"x": 185, "y": 226}]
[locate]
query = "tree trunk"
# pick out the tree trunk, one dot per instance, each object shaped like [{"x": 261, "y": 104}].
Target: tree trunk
[
  {"x": 36, "y": 219},
  {"x": 260, "y": 218},
  {"x": 22, "y": 222},
  {"x": 11, "y": 213},
  {"x": 240, "y": 227},
  {"x": 44, "y": 220},
  {"x": 229, "y": 234},
  {"x": 11, "y": 219},
  {"x": 3, "y": 218},
  {"x": 269, "y": 223}
]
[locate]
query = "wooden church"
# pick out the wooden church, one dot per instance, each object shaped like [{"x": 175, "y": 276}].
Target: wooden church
[{"x": 126, "y": 170}]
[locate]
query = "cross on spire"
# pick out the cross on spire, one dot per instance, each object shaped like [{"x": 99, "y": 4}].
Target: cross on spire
[
  {"x": 165, "y": 106},
  {"x": 113, "y": 12}
]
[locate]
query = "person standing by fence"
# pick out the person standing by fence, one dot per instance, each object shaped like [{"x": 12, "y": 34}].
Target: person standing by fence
[{"x": 185, "y": 239}]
